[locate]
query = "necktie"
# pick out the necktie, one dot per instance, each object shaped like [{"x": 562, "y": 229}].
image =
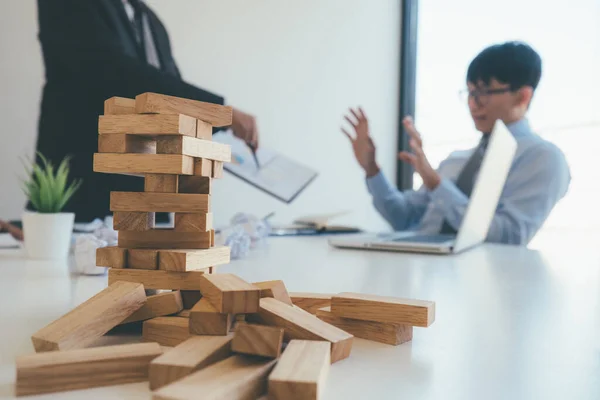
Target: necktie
[{"x": 143, "y": 34}]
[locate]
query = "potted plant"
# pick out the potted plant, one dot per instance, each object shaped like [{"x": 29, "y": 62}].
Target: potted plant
[{"x": 47, "y": 231}]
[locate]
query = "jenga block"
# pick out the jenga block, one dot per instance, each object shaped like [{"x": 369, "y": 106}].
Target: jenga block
[
  {"x": 133, "y": 221},
  {"x": 238, "y": 377},
  {"x": 158, "y": 305},
  {"x": 311, "y": 302},
  {"x": 382, "y": 332},
  {"x": 118, "y": 106},
  {"x": 164, "y": 238},
  {"x": 166, "y": 331},
  {"x": 229, "y": 293},
  {"x": 142, "y": 259},
  {"x": 195, "y": 184},
  {"x": 206, "y": 320},
  {"x": 195, "y": 353},
  {"x": 143, "y": 164},
  {"x": 117, "y": 143},
  {"x": 194, "y": 147},
  {"x": 157, "y": 279},
  {"x": 148, "y": 125},
  {"x": 202, "y": 167},
  {"x": 161, "y": 183},
  {"x": 214, "y": 114},
  {"x": 159, "y": 202},
  {"x": 301, "y": 372},
  {"x": 212, "y": 239},
  {"x": 257, "y": 340},
  {"x": 113, "y": 257},
  {"x": 217, "y": 169},
  {"x": 91, "y": 319},
  {"x": 60, "y": 371},
  {"x": 394, "y": 310},
  {"x": 193, "y": 222},
  {"x": 298, "y": 324},
  {"x": 190, "y": 297},
  {"x": 190, "y": 260},
  {"x": 275, "y": 289},
  {"x": 204, "y": 130}
]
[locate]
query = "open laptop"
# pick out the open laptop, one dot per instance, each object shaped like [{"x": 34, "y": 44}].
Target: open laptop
[{"x": 478, "y": 216}]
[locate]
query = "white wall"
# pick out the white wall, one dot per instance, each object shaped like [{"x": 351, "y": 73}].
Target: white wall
[{"x": 296, "y": 65}]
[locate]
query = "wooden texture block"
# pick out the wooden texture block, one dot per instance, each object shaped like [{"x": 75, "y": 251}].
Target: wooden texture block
[
  {"x": 133, "y": 221},
  {"x": 119, "y": 105},
  {"x": 148, "y": 125},
  {"x": 206, "y": 320},
  {"x": 394, "y": 310},
  {"x": 238, "y": 377},
  {"x": 257, "y": 340},
  {"x": 112, "y": 256},
  {"x": 60, "y": 371},
  {"x": 229, "y": 293},
  {"x": 204, "y": 130},
  {"x": 195, "y": 184},
  {"x": 166, "y": 331},
  {"x": 164, "y": 238},
  {"x": 193, "y": 147},
  {"x": 159, "y": 202},
  {"x": 195, "y": 353},
  {"x": 275, "y": 289},
  {"x": 381, "y": 332},
  {"x": 117, "y": 143},
  {"x": 202, "y": 167},
  {"x": 190, "y": 260},
  {"x": 142, "y": 259},
  {"x": 217, "y": 169},
  {"x": 161, "y": 183},
  {"x": 143, "y": 164},
  {"x": 311, "y": 302},
  {"x": 212, "y": 239},
  {"x": 158, "y": 305},
  {"x": 157, "y": 279},
  {"x": 214, "y": 114},
  {"x": 91, "y": 319},
  {"x": 301, "y": 372},
  {"x": 190, "y": 298},
  {"x": 193, "y": 222},
  {"x": 298, "y": 324},
  {"x": 184, "y": 313}
]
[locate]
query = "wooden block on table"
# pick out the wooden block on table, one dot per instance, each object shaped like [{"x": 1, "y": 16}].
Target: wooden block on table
[
  {"x": 143, "y": 164},
  {"x": 301, "y": 372},
  {"x": 238, "y": 377},
  {"x": 133, "y": 221},
  {"x": 60, "y": 371},
  {"x": 217, "y": 169},
  {"x": 257, "y": 340},
  {"x": 298, "y": 324},
  {"x": 118, "y": 143},
  {"x": 119, "y": 105},
  {"x": 164, "y": 238},
  {"x": 166, "y": 280},
  {"x": 195, "y": 184},
  {"x": 161, "y": 183},
  {"x": 204, "y": 130},
  {"x": 195, "y": 353},
  {"x": 147, "y": 125},
  {"x": 229, "y": 293},
  {"x": 166, "y": 331},
  {"x": 394, "y": 310},
  {"x": 194, "y": 147},
  {"x": 190, "y": 260},
  {"x": 275, "y": 289},
  {"x": 159, "y": 202},
  {"x": 202, "y": 167},
  {"x": 142, "y": 259},
  {"x": 214, "y": 114},
  {"x": 91, "y": 319},
  {"x": 311, "y": 302},
  {"x": 112, "y": 256},
  {"x": 206, "y": 320},
  {"x": 158, "y": 305},
  {"x": 193, "y": 222}
]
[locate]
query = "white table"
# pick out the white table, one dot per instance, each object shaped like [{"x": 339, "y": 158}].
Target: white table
[{"x": 511, "y": 323}]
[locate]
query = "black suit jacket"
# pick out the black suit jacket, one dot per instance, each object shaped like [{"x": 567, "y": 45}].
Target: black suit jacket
[{"x": 90, "y": 54}]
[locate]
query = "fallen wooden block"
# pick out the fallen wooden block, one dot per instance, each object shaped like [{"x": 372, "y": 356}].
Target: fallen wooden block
[
  {"x": 214, "y": 114},
  {"x": 142, "y": 259},
  {"x": 194, "y": 147},
  {"x": 394, "y": 310},
  {"x": 206, "y": 320},
  {"x": 217, "y": 169},
  {"x": 143, "y": 164},
  {"x": 157, "y": 305},
  {"x": 193, "y": 222},
  {"x": 229, "y": 293},
  {"x": 167, "y": 280},
  {"x": 91, "y": 319},
  {"x": 195, "y": 184},
  {"x": 257, "y": 340},
  {"x": 147, "y": 125},
  {"x": 202, "y": 167},
  {"x": 238, "y": 377},
  {"x": 164, "y": 238},
  {"x": 117, "y": 143},
  {"x": 275, "y": 289},
  {"x": 161, "y": 183},
  {"x": 311, "y": 302},
  {"x": 190, "y": 297},
  {"x": 298, "y": 324},
  {"x": 112, "y": 256},
  {"x": 190, "y": 260},
  {"x": 60, "y": 371},
  {"x": 133, "y": 221},
  {"x": 119, "y": 105},
  {"x": 159, "y": 202},
  {"x": 166, "y": 331},
  {"x": 195, "y": 353}
]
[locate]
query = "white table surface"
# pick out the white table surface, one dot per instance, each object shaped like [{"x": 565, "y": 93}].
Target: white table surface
[{"x": 511, "y": 323}]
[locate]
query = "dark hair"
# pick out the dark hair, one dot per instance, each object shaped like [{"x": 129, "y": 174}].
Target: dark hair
[{"x": 514, "y": 63}]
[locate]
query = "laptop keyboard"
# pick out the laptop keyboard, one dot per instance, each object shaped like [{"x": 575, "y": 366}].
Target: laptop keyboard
[{"x": 426, "y": 238}]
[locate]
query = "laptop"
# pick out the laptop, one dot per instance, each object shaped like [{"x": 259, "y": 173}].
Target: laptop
[{"x": 478, "y": 216}]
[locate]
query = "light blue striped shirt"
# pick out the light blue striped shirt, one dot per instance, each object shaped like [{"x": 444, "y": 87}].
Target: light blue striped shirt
[{"x": 538, "y": 178}]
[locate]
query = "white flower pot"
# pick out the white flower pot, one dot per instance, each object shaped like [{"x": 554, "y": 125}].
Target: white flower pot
[{"x": 47, "y": 236}]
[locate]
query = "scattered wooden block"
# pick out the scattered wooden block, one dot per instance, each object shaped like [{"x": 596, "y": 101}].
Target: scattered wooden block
[
  {"x": 394, "y": 310},
  {"x": 195, "y": 184},
  {"x": 158, "y": 305},
  {"x": 112, "y": 256},
  {"x": 118, "y": 143},
  {"x": 118, "y": 106},
  {"x": 91, "y": 319},
  {"x": 275, "y": 289},
  {"x": 238, "y": 377},
  {"x": 301, "y": 372},
  {"x": 148, "y": 125},
  {"x": 164, "y": 238},
  {"x": 142, "y": 259},
  {"x": 206, "y": 320},
  {"x": 298, "y": 324},
  {"x": 194, "y": 147},
  {"x": 257, "y": 340},
  {"x": 204, "y": 130},
  {"x": 311, "y": 302},
  {"x": 143, "y": 164},
  {"x": 229, "y": 293},
  {"x": 195, "y": 353},
  {"x": 190, "y": 297},
  {"x": 190, "y": 260},
  {"x": 159, "y": 202},
  {"x": 202, "y": 167},
  {"x": 157, "y": 279},
  {"x": 161, "y": 183},
  {"x": 133, "y": 221},
  {"x": 193, "y": 222},
  {"x": 166, "y": 331},
  {"x": 214, "y": 114},
  {"x": 60, "y": 371},
  {"x": 217, "y": 169}
]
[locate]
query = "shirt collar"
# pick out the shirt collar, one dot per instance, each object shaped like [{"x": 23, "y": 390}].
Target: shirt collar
[{"x": 519, "y": 128}]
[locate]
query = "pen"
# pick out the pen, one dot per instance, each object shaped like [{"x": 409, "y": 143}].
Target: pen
[{"x": 253, "y": 149}]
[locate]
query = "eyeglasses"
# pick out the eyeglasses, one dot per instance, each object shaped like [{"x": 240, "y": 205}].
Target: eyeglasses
[{"x": 481, "y": 96}]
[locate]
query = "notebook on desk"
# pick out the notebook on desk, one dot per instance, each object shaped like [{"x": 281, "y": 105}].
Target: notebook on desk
[{"x": 313, "y": 225}]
